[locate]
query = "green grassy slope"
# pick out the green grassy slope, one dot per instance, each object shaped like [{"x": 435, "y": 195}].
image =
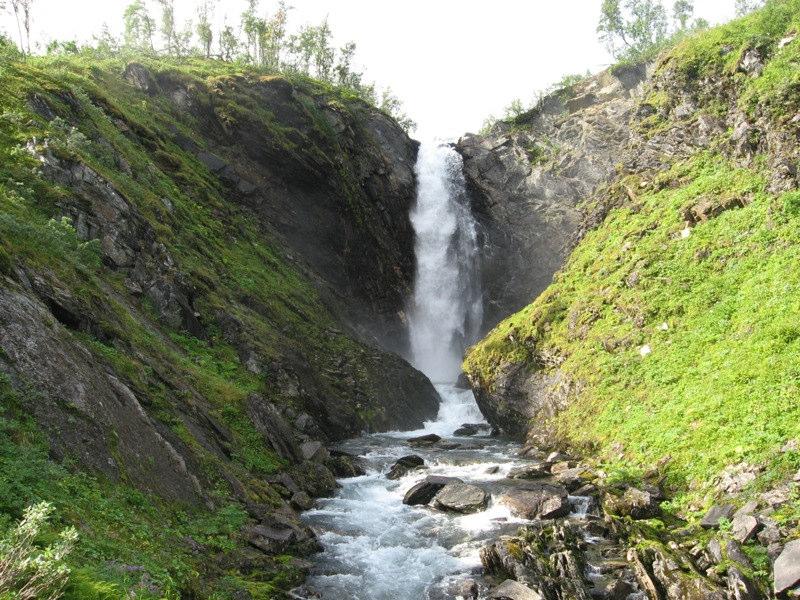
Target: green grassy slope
[
  {"x": 233, "y": 265},
  {"x": 719, "y": 309}
]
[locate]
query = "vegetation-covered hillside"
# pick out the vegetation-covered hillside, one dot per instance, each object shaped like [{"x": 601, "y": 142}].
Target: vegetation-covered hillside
[
  {"x": 669, "y": 342},
  {"x": 171, "y": 349}
]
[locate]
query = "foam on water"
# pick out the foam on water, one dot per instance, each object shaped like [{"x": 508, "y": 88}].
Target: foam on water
[{"x": 376, "y": 547}]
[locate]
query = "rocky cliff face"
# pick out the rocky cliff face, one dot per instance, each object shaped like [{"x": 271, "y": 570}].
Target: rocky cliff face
[
  {"x": 202, "y": 274},
  {"x": 529, "y": 177}
]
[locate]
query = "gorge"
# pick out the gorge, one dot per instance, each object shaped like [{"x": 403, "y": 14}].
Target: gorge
[{"x": 256, "y": 342}]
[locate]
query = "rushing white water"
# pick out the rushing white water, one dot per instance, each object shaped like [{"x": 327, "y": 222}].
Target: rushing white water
[
  {"x": 446, "y": 310},
  {"x": 376, "y": 547}
]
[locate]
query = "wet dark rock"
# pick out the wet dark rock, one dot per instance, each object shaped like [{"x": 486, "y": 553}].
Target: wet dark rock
[
  {"x": 492, "y": 470},
  {"x": 315, "y": 451},
  {"x": 344, "y": 464},
  {"x": 513, "y": 590},
  {"x": 424, "y": 440},
  {"x": 462, "y": 383},
  {"x": 302, "y": 501},
  {"x": 468, "y": 429},
  {"x": 787, "y": 568},
  {"x": 540, "y": 501},
  {"x": 424, "y": 491},
  {"x": 717, "y": 513},
  {"x": 461, "y": 497},
  {"x": 315, "y": 479},
  {"x": 277, "y": 537},
  {"x": 405, "y": 465}
]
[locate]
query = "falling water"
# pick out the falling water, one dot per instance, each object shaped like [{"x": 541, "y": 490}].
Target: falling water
[
  {"x": 376, "y": 547},
  {"x": 446, "y": 310}
]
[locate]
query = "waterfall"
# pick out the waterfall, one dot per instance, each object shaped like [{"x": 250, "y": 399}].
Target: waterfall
[{"x": 446, "y": 309}]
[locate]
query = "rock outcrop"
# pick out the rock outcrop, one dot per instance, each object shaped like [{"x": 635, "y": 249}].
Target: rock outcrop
[{"x": 528, "y": 179}]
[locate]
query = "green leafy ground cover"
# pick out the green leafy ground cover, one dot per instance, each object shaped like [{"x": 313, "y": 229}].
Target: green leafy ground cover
[
  {"x": 226, "y": 254},
  {"x": 719, "y": 309}
]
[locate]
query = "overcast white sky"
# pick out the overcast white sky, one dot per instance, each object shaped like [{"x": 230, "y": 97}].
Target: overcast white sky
[{"x": 452, "y": 62}]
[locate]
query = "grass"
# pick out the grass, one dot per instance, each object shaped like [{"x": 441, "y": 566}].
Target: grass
[
  {"x": 718, "y": 309},
  {"x": 123, "y": 532},
  {"x": 236, "y": 270}
]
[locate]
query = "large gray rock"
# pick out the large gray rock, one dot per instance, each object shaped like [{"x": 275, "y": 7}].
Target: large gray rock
[
  {"x": 787, "y": 568},
  {"x": 461, "y": 497},
  {"x": 716, "y": 514},
  {"x": 526, "y": 194},
  {"x": 513, "y": 590},
  {"x": 538, "y": 501},
  {"x": 424, "y": 491}
]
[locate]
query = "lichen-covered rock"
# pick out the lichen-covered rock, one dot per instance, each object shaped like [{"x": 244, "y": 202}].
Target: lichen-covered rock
[{"x": 634, "y": 503}]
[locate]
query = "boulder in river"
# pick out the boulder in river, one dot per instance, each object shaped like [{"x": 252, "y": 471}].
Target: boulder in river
[
  {"x": 468, "y": 429},
  {"x": 461, "y": 497},
  {"x": 513, "y": 590},
  {"x": 424, "y": 440},
  {"x": 424, "y": 491},
  {"x": 405, "y": 465},
  {"x": 541, "y": 501}
]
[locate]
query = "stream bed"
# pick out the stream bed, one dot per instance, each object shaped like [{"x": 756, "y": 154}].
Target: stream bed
[{"x": 377, "y": 548}]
